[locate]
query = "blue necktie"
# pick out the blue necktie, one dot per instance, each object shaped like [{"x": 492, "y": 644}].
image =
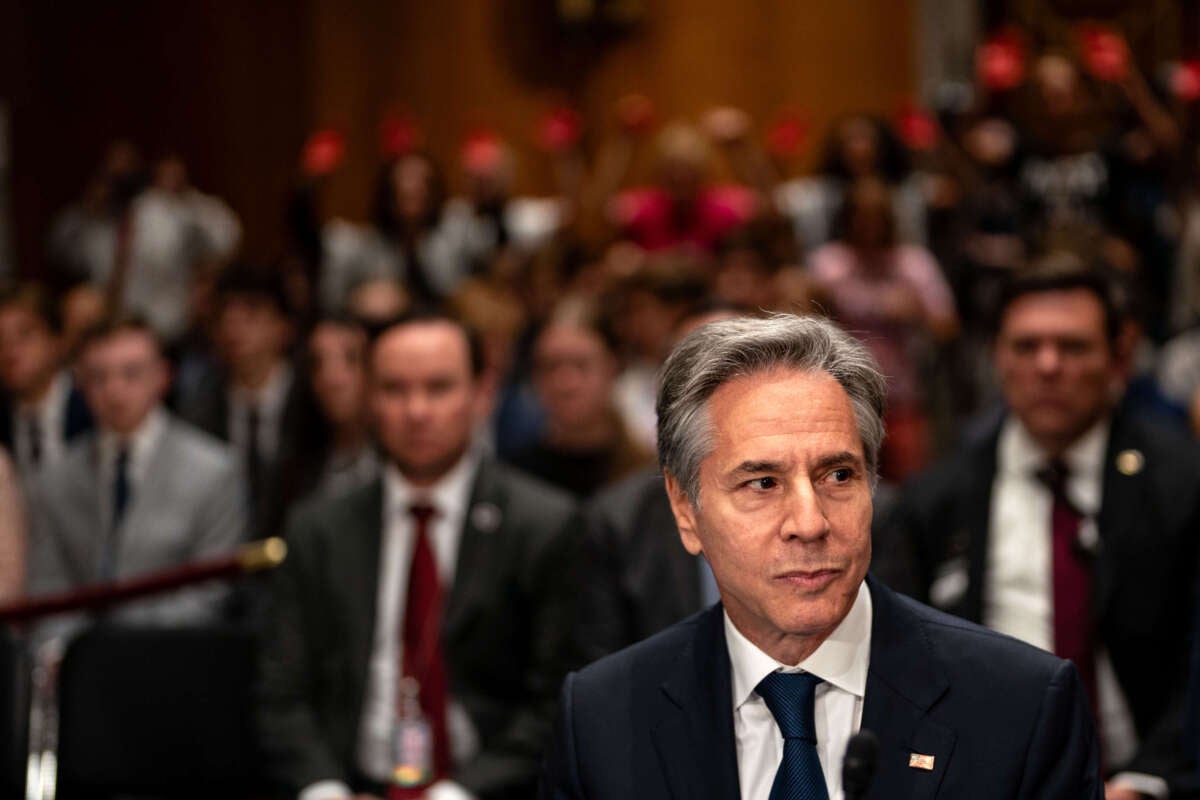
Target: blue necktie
[
  {"x": 120, "y": 500},
  {"x": 789, "y": 695}
]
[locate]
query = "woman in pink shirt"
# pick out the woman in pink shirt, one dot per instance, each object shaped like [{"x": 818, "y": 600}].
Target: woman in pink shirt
[{"x": 894, "y": 297}]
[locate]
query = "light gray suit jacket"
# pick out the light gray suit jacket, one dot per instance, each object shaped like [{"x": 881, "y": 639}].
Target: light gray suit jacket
[{"x": 189, "y": 505}]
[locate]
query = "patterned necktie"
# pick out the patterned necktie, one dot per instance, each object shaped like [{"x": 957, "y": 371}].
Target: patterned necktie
[
  {"x": 1074, "y": 633},
  {"x": 424, "y": 658},
  {"x": 790, "y": 696}
]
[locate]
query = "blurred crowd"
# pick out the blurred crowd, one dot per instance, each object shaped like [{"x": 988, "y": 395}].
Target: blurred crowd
[{"x": 148, "y": 329}]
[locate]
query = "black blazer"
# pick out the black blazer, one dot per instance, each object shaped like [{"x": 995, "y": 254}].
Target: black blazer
[
  {"x": 1001, "y": 719},
  {"x": 639, "y": 579},
  {"x": 1145, "y": 566},
  {"x": 76, "y": 420},
  {"x": 206, "y": 406},
  {"x": 507, "y": 633}
]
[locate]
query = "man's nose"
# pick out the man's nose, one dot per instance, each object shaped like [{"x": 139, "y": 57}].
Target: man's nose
[
  {"x": 417, "y": 406},
  {"x": 805, "y": 518},
  {"x": 1048, "y": 358}
]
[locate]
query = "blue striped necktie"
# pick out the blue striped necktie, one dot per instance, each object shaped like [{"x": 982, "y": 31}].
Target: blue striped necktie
[{"x": 790, "y": 695}]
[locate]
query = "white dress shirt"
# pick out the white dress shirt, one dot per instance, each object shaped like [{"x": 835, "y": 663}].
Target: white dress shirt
[
  {"x": 51, "y": 416},
  {"x": 450, "y": 496},
  {"x": 1019, "y": 594},
  {"x": 141, "y": 444},
  {"x": 270, "y": 400},
  {"x": 841, "y": 662}
]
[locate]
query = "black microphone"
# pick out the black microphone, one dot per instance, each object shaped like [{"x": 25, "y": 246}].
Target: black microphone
[{"x": 858, "y": 767}]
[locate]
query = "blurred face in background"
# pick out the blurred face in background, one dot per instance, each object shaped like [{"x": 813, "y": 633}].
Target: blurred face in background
[
  {"x": 378, "y": 300},
  {"x": 574, "y": 373},
  {"x": 871, "y": 220},
  {"x": 123, "y": 377},
  {"x": 859, "y": 142},
  {"x": 82, "y": 307},
  {"x": 1057, "y": 368},
  {"x": 251, "y": 330},
  {"x": 411, "y": 180},
  {"x": 424, "y": 397},
  {"x": 29, "y": 351},
  {"x": 337, "y": 369}
]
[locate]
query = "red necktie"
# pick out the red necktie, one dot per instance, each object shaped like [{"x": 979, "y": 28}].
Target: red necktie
[
  {"x": 423, "y": 656},
  {"x": 1074, "y": 633}
]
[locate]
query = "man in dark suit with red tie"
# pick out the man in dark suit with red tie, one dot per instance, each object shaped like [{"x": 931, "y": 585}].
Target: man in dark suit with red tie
[
  {"x": 1074, "y": 523},
  {"x": 769, "y": 433},
  {"x": 421, "y": 625}
]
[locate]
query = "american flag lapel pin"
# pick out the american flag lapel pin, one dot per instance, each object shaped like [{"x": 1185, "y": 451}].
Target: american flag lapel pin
[{"x": 920, "y": 761}]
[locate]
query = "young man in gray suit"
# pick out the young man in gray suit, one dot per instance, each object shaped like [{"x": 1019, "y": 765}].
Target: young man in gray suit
[
  {"x": 143, "y": 492},
  {"x": 421, "y": 624}
]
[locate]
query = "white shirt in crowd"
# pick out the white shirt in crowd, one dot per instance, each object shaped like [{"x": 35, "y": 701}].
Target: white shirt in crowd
[{"x": 1019, "y": 596}]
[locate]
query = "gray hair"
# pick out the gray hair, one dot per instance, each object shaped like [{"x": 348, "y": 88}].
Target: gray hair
[{"x": 721, "y": 351}]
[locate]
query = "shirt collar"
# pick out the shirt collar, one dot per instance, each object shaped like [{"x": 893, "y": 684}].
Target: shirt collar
[
  {"x": 449, "y": 495},
  {"x": 56, "y": 398},
  {"x": 272, "y": 394},
  {"x": 1020, "y": 456},
  {"x": 141, "y": 442},
  {"x": 841, "y": 660}
]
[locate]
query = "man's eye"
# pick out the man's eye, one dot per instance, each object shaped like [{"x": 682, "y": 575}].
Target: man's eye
[
  {"x": 842, "y": 475},
  {"x": 762, "y": 483}
]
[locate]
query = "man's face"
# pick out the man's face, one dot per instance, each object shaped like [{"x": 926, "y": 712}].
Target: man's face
[
  {"x": 29, "y": 350},
  {"x": 250, "y": 330},
  {"x": 424, "y": 398},
  {"x": 574, "y": 374},
  {"x": 123, "y": 377},
  {"x": 784, "y": 513},
  {"x": 336, "y": 356},
  {"x": 1057, "y": 369}
]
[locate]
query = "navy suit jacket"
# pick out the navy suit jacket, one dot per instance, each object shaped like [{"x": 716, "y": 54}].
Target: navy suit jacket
[{"x": 1001, "y": 719}]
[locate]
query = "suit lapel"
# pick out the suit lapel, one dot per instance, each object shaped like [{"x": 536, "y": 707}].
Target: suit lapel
[
  {"x": 1121, "y": 505},
  {"x": 975, "y": 518},
  {"x": 355, "y": 573},
  {"x": 483, "y": 519},
  {"x": 77, "y": 419},
  {"x": 903, "y": 682},
  {"x": 693, "y": 734},
  {"x": 81, "y": 490}
]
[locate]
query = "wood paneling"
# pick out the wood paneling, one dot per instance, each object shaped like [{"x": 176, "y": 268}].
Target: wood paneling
[{"x": 235, "y": 87}]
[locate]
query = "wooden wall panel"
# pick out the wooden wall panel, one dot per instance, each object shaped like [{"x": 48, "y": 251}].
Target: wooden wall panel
[
  {"x": 235, "y": 87},
  {"x": 223, "y": 84},
  {"x": 499, "y": 63}
]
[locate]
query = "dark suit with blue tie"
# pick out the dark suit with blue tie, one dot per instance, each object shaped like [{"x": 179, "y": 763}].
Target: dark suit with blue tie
[{"x": 1001, "y": 719}]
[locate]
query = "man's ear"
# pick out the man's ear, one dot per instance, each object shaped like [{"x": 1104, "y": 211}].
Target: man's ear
[{"x": 685, "y": 515}]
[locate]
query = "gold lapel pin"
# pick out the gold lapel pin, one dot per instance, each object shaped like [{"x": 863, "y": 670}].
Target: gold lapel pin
[
  {"x": 1130, "y": 462},
  {"x": 920, "y": 761}
]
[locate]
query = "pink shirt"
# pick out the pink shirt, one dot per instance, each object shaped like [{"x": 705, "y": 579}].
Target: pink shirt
[
  {"x": 860, "y": 296},
  {"x": 645, "y": 217}
]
